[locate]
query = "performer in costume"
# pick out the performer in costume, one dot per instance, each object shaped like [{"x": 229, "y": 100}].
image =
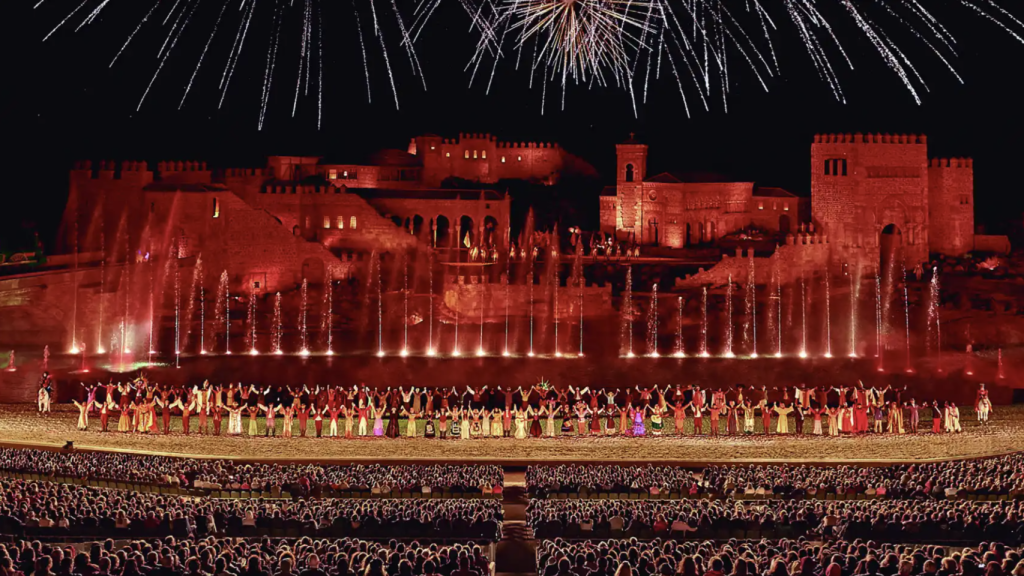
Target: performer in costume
[{"x": 83, "y": 414}]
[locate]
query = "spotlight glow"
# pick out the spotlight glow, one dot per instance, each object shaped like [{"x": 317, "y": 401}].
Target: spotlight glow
[
  {"x": 278, "y": 352},
  {"x": 778, "y": 354},
  {"x": 803, "y": 353},
  {"x": 74, "y": 350},
  {"x": 404, "y": 353},
  {"x": 330, "y": 352},
  {"x": 729, "y": 354},
  {"x": 101, "y": 351},
  {"x": 680, "y": 355},
  {"x": 753, "y": 354},
  {"x": 828, "y": 354},
  {"x": 456, "y": 352},
  {"x": 530, "y": 353},
  {"x": 479, "y": 351},
  {"x": 304, "y": 352},
  {"x": 431, "y": 352},
  {"x": 853, "y": 354},
  {"x": 505, "y": 354},
  {"x": 202, "y": 352},
  {"x": 705, "y": 354},
  {"x": 380, "y": 353},
  {"x": 655, "y": 355},
  {"x": 630, "y": 355},
  {"x": 558, "y": 354},
  {"x": 253, "y": 352}
]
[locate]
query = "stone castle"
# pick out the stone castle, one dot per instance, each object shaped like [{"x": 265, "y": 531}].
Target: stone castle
[
  {"x": 302, "y": 217},
  {"x": 866, "y": 189}
]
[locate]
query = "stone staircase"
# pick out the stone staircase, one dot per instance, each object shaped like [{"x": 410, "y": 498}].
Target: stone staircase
[{"x": 516, "y": 553}]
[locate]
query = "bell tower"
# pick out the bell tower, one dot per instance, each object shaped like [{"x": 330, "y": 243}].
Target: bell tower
[{"x": 631, "y": 169}]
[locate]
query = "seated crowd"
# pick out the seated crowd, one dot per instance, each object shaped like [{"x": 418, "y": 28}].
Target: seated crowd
[
  {"x": 229, "y": 557},
  {"x": 44, "y": 508},
  {"x": 229, "y": 475},
  {"x": 889, "y": 520},
  {"x": 991, "y": 476},
  {"x": 773, "y": 558}
]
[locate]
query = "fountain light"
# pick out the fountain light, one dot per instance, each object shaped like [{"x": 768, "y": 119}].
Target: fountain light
[
  {"x": 479, "y": 351},
  {"x": 202, "y": 352},
  {"x": 304, "y": 352},
  {"x": 278, "y": 352},
  {"x": 853, "y": 354},
  {"x": 654, "y": 355},
  {"x": 253, "y": 352},
  {"x": 910, "y": 370},
  {"x": 227, "y": 352},
  {"x": 753, "y": 354},
  {"x": 828, "y": 354},
  {"x": 380, "y": 353},
  {"x": 404, "y": 353},
  {"x": 778, "y": 354},
  {"x": 630, "y": 354},
  {"x": 456, "y": 352},
  {"x": 729, "y": 354},
  {"x": 330, "y": 352},
  {"x": 803, "y": 353},
  {"x": 705, "y": 354},
  {"x": 431, "y": 352},
  {"x": 558, "y": 354},
  {"x": 530, "y": 353},
  {"x": 100, "y": 350},
  {"x": 74, "y": 350},
  {"x": 680, "y": 355},
  {"x": 505, "y": 354}
]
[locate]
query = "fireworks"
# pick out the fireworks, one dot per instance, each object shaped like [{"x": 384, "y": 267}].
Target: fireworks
[{"x": 701, "y": 46}]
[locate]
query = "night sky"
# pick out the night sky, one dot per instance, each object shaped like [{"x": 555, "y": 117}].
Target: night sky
[{"x": 62, "y": 102}]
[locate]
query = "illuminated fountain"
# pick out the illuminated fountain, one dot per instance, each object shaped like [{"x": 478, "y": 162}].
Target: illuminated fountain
[
  {"x": 374, "y": 259},
  {"x": 828, "y": 317},
  {"x": 778, "y": 309},
  {"x": 430, "y": 305},
  {"x": 103, "y": 282},
  {"x": 303, "y": 332},
  {"x": 553, "y": 310},
  {"x": 803, "y": 316},
  {"x": 627, "y": 312},
  {"x": 680, "y": 347},
  {"x": 223, "y": 310},
  {"x": 728, "y": 320},
  {"x": 906, "y": 312},
  {"x": 529, "y": 282},
  {"x": 854, "y": 294},
  {"x": 177, "y": 314},
  {"x": 202, "y": 320},
  {"x": 252, "y": 321},
  {"x": 879, "y": 351},
  {"x": 197, "y": 275},
  {"x": 704, "y": 323},
  {"x": 751, "y": 302},
  {"x": 652, "y": 323},
  {"x": 480, "y": 347},
  {"x": 327, "y": 315},
  {"x": 405, "y": 305},
  {"x": 508, "y": 274},
  {"x": 275, "y": 336}
]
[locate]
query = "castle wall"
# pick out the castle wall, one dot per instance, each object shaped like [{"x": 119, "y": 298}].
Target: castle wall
[
  {"x": 467, "y": 299},
  {"x": 482, "y": 158},
  {"x": 104, "y": 195},
  {"x": 951, "y": 206},
  {"x": 861, "y": 183}
]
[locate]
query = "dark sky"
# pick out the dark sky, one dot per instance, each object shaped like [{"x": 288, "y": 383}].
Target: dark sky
[{"x": 61, "y": 101}]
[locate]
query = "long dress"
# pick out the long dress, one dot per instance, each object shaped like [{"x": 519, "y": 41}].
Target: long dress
[
  {"x": 550, "y": 432},
  {"x": 535, "y": 429},
  {"x": 378, "y": 424},
  {"x": 485, "y": 423},
  {"x": 496, "y": 429},
  {"x": 638, "y": 423},
  {"x": 782, "y": 427},
  {"x": 464, "y": 426},
  {"x": 656, "y": 423},
  {"x": 392, "y": 431},
  {"x": 520, "y": 433}
]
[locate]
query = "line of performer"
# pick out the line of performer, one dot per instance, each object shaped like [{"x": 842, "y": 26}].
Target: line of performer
[{"x": 537, "y": 411}]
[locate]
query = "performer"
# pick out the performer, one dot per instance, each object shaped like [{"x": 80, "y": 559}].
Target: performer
[
  {"x": 679, "y": 413},
  {"x": 936, "y": 418},
  {"x": 410, "y": 426},
  {"x": 235, "y": 420},
  {"x": 984, "y": 409},
  {"x": 895, "y": 418},
  {"x": 364, "y": 414},
  {"x": 253, "y": 407},
  {"x": 520, "y": 433},
  {"x": 816, "y": 413},
  {"x": 333, "y": 410},
  {"x": 915, "y": 415},
  {"x": 45, "y": 392},
  {"x": 289, "y": 414},
  {"x": 392, "y": 429},
  {"x": 698, "y": 420},
  {"x": 783, "y": 418},
  {"x": 318, "y": 420},
  {"x": 83, "y": 414},
  {"x": 350, "y": 414},
  {"x": 497, "y": 424},
  {"x": 304, "y": 409},
  {"x": 105, "y": 408},
  {"x": 378, "y": 420}
]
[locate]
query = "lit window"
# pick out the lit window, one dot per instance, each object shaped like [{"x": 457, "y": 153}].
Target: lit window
[
  {"x": 341, "y": 222},
  {"x": 352, "y": 223},
  {"x": 786, "y": 206},
  {"x": 483, "y": 154},
  {"x": 345, "y": 174},
  {"x": 474, "y": 154},
  {"x": 466, "y": 154},
  {"x": 520, "y": 158},
  {"x": 327, "y": 222},
  {"x": 216, "y": 208},
  {"x": 775, "y": 206},
  {"x": 431, "y": 146},
  {"x": 334, "y": 174},
  {"x": 447, "y": 154},
  {"x": 760, "y": 205},
  {"x": 502, "y": 159}
]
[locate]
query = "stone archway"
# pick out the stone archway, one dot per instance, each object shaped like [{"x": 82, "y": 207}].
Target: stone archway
[{"x": 442, "y": 231}]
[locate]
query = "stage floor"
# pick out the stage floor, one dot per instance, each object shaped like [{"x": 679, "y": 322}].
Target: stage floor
[{"x": 21, "y": 425}]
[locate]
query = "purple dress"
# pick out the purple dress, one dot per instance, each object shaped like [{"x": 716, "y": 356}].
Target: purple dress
[{"x": 638, "y": 424}]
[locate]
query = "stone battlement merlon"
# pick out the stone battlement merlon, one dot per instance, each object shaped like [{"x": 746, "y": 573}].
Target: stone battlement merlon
[
  {"x": 541, "y": 145},
  {"x": 181, "y": 166},
  {"x": 105, "y": 169},
  {"x": 859, "y": 138},
  {"x": 241, "y": 172},
  {"x": 951, "y": 163}
]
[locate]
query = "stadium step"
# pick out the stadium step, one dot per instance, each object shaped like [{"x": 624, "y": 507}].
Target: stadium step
[{"x": 516, "y": 553}]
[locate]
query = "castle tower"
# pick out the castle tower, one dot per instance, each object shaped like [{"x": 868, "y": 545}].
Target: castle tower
[
  {"x": 869, "y": 195},
  {"x": 630, "y": 171},
  {"x": 951, "y": 205}
]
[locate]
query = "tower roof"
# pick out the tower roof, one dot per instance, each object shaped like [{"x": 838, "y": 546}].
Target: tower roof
[{"x": 632, "y": 139}]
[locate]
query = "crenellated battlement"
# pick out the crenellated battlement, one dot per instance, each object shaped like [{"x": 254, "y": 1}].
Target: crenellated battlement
[
  {"x": 542, "y": 145},
  {"x": 181, "y": 166},
  {"x": 242, "y": 172},
  {"x": 109, "y": 169},
  {"x": 859, "y": 138},
  {"x": 951, "y": 163}
]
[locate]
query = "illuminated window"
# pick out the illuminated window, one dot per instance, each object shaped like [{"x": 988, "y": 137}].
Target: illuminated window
[
  {"x": 447, "y": 154},
  {"x": 467, "y": 154},
  {"x": 483, "y": 154},
  {"x": 334, "y": 174},
  {"x": 431, "y": 146},
  {"x": 502, "y": 159},
  {"x": 474, "y": 154},
  {"x": 216, "y": 208},
  {"x": 520, "y": 158},
  {"x": 341, "y": 222},
  {"x": 352, "y": 223},
  {"x": 775, "y": 206},
  {"x": 760, "y": 205},
  {"x": 327, "y": 222},
  {"x": 786, "y": 206}
]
